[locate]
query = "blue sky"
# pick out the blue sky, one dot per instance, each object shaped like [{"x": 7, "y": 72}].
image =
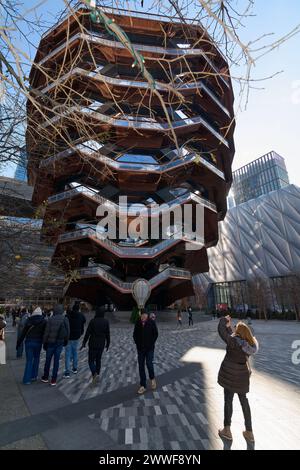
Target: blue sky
[{"x": 271, "y": 120}]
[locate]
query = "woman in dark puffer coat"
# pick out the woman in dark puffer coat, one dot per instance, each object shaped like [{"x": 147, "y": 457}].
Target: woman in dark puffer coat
[{"x": 234, "y": 373}]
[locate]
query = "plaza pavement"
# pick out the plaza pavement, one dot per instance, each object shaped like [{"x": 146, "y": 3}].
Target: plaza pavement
[{"x": 185, "y": 411}]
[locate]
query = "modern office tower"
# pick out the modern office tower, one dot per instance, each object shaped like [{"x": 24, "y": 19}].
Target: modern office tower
[
  {"x": 21, "y": 168},
  {"x": 15, "y": 198},
  {"x": 138, "y": 106},
  {"x": 263, "y": 175},
  {"x": 258, "y": 241}
]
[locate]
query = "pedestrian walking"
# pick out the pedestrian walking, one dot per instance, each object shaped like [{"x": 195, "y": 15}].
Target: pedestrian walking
[
  {"x": 152, "y": 316},
  {"x": 76, "y": 322},
  {"x": 145, "y": 335},
  {"x": 21, "y": 324},
  {"x": 14, "y": 316},
  {"x": 98, "y": 336},
  {"x": 56, "y": 336},
  {"x": 235, "y": 371},
  {"x": 2, "y": 340},
  {"x": 190, "y": 315},
  {"x": 179, "y": 318},
  {"x": 249, "y": 318},
  {"x": 32, "y": 333}
]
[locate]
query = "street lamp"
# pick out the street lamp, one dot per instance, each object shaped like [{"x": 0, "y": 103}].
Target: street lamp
[{"x": 141, "y": 292}]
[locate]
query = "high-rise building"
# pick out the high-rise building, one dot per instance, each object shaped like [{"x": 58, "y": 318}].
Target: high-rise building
[
  {"x": 15, "y": 198},
  {"x": 258, "y": 242},
  {"x": 263, "y": 175},
  {"x": 21, "y": 169},
  {"x": 135, "y": 122}
]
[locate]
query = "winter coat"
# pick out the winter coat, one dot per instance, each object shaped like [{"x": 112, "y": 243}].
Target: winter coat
[
  {"x": 34, "y": 329},
  {"x": 22, "y": 322},
  {"x": 57, "y": 330},
  {"x": 76, "y": 322},
  {"x": 234, "y": 373},
  {"x": 145, "y": 336},
  {"x": 97, "y": 333}
]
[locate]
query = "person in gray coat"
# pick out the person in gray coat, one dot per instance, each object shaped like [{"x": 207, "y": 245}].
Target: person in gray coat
[
  {"x": 234, "y": 373},
  {"x": 56, "y": 336}
]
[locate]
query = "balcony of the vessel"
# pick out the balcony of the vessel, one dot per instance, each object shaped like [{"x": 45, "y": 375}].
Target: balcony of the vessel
[
  {"x": 94, "y": 78},
  {"x": 183, "y": 122},
  {"x": 118, "y": 49}
]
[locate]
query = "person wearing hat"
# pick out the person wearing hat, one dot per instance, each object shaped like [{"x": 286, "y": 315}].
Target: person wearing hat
[
  {"x": 98, "y": 336},
  {"x": 32, "y": 333},
  {"x": 145, "y": 335},
  {"x": 56, "y": 336}
]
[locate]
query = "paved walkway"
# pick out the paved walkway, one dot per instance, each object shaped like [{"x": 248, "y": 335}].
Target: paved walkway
[{"x": 185, "y": 411}]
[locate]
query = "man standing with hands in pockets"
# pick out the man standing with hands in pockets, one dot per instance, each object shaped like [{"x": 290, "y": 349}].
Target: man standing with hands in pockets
[{"x": 145, "y": 335}]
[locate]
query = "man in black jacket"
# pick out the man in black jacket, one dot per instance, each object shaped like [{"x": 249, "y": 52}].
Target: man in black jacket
[
  {"x": 145, "y": 334},
  {"x": 56, "y": 336},
  {"x": 98, "y": 336},
  {"x": 76, "y": 322}
]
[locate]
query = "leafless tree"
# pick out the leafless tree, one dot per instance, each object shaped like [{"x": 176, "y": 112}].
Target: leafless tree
[
  {"x": 24, "y": 262},
  {"x": 57, "y": 110},
  {"x": 260, "y": 295},
  {"x": 287, "y": 293}
]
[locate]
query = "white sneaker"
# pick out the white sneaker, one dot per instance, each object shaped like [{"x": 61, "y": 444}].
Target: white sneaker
[{"x": 153, "y": 384}]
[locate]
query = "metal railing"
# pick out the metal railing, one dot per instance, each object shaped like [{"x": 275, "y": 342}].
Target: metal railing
[
  {"x": 138, "y": 122},
  {"x": 127, "y": 286},
  {"x": 155, "y": 168},
  {"x": 101, "y": 39},
  {"x": 96, "y": 75},
  {"x": 131, "y": 209},
  {"x": 130, "y": 13},
  {"x": 123, "y": 251}
]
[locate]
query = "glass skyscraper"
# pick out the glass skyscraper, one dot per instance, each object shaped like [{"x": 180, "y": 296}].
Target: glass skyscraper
[
  {"x": 259, "y": 177},
  {"x": 21, "y": 169}
]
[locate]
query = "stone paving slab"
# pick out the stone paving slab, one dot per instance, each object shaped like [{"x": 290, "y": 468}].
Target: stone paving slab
[
  {"x": 185, "y": 411},
  {"x": 13, "y": 406}
]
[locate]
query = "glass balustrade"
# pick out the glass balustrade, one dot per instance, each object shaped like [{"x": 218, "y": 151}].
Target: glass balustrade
[
  {"x": 127, "y": 286},
  {"x": 128, "y": 251},
  {"x": 139, "y": 122},
  {"x": 132, "y": 209},
  {"x": 101, "y": 38},
  {"x": 176, "y": 162},
  {"x": 96, "y": 75}
]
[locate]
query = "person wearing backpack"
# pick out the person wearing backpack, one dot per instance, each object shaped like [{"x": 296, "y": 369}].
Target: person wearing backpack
[
  {"x": 56, "y": 336},
  {"x": 32, "y": 333}
]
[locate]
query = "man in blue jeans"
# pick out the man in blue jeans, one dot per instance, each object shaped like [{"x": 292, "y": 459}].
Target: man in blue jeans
[
  {"x": 145, "y": 335},
  {"x": 33, "y": 333},
  {"x": 21, "y": 324},
  {"x": 56, "y": 336},
  {"x": 76, "y": 322}
]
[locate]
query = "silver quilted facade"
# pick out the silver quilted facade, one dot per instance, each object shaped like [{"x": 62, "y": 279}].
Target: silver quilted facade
[{"x": 260, "y": 237}]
